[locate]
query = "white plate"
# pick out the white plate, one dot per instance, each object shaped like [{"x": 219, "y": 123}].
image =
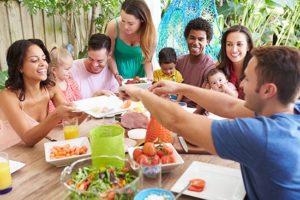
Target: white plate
[
  {"x": 129, "y": 143},
  {"x": 215, "y": 117},
  {"x": 145, "y": 85},
  {"x": 59, "y": 162},
  {"x": 165, "y": 167},
  {"x": 15, "y": 166},
  {"x": 101, "y": 106},
  {"x": 222, "y": 183},
  {"x": 137, "y": 134}
]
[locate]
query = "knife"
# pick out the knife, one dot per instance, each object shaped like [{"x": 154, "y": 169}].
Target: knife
[{"x": 183, "y": 144}]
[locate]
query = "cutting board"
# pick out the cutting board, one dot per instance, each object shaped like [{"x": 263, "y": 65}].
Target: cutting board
[{"x": 192, "y": 148}]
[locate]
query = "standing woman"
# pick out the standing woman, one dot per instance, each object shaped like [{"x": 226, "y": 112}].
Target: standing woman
[
  {"x": 133, "y": 39},
  {"x": 28, "y": 90},
  {"x": 236, "y": 45}
]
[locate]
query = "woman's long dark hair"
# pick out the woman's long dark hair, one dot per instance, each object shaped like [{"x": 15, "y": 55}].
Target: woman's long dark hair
[
  {"x": 16, "y": 54},
  {"x": 224, "y": 60}
]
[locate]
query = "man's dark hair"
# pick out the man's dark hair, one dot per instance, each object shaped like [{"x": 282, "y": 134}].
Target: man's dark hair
[
  {"x": 201, "y": 25},
  {"x": 167, "y": 55},
  {"x": 99, "y": 41},
  {"x": 279, "y": 65}
]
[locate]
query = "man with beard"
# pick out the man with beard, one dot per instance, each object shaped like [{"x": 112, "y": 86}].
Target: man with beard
[
  {"x": 263, "y": 134},
  {"x": 195, "y": 65},
  {"x": 92, "y": 73}
]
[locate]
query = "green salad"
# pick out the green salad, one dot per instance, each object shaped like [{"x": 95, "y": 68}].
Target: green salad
[{"x": 102, "y": 183}]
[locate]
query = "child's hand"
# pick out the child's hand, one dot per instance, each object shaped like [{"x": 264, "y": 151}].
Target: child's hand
[{"x": 224, "y": 87}]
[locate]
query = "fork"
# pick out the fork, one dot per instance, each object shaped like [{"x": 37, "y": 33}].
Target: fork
[
  {"x": 184, "y": 189},
  {"x": 51, "y": 139}
]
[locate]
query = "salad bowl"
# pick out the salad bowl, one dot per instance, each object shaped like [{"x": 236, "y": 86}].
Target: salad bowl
[{"x": 84, "y": 181}]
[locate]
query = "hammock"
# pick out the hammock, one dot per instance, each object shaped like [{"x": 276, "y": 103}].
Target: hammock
[{"x": 176, "y": 17}]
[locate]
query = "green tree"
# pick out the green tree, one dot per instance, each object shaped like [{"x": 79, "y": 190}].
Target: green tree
[
  {"x": 274, "y": 22},
  {"x": 96, "y": 14}
]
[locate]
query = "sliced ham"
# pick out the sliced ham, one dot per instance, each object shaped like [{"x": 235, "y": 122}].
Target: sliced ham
[{"x": 134, "y": 120}]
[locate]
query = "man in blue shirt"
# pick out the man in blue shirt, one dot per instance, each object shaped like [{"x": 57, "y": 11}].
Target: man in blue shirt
[{"x": 264, "y": 132}]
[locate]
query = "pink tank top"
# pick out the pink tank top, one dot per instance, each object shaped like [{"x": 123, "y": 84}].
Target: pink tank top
[{"x": 8, "y": 136}]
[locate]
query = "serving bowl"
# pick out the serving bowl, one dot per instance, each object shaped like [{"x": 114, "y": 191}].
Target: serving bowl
[
  {"x": 154, "y": 193},
  {"x": 164, "y": 167},
  {"x": 145, "y": 84},
  {"x": 66, "y": 160},
  {"x": 84, "y": 181}
]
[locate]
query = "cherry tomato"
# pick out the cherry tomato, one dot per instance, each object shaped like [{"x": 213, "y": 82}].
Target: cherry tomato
[
  {"x": 149, "y": 149},
  {"x": 160, "y": 153},
  {"x": 143, "y": 159},
  {"x": 155, "y": 160},
  {"x": 136, "y": 153},
  {"x": 166, "y": 159}
]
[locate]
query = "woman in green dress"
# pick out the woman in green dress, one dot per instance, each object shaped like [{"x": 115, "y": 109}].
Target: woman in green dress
[{"x": 133, "y": 38}]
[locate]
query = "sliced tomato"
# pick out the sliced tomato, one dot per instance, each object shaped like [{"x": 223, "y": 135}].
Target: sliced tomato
[
  {"x": 197, "y": 185},
  {"x": 195, "y": 189},
  {"x": 83, "y": 186},
  {"x": 197, "y": 182}
]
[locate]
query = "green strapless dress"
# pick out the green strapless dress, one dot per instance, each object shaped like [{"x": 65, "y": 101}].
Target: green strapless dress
[{"x": 129, "y": 59}]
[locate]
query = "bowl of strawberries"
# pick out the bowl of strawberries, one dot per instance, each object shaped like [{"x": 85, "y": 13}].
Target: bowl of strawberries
[{"x": 151, "y": 152}]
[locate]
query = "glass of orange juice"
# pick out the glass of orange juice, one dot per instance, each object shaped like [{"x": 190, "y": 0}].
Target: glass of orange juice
[
  {"x": 5, "y": 176},
  {"x": 71, "y": 129}
]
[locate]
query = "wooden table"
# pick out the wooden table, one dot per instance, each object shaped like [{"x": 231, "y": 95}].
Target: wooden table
[{"x": 40, "y": 180}]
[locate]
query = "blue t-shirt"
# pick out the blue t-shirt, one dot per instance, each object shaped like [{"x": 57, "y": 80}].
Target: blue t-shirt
[{"x": 268, "y": 149}]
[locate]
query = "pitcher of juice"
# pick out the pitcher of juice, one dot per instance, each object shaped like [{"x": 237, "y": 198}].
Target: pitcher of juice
[
  {"x": 71, "y": 129},
  {"x": 5, "y": 176}
]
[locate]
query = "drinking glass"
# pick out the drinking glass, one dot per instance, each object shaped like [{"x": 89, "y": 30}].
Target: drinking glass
[
  {"x": 109, "y": 119},
  {"x": 150, "y": 175},
  {"x": 71, "y": 128},
  {"x": 5, "y": 176}
]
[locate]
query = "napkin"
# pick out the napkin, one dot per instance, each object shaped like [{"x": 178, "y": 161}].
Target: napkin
[{"x": 15, "y": 166}]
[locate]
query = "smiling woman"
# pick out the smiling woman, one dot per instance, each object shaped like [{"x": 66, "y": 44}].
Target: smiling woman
[
  {"x": 234, "y": 56},
  {"x": 28, "y": 90}
]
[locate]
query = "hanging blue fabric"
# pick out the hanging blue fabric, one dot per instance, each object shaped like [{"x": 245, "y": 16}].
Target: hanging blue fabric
[{"x": 176, "y": 17}]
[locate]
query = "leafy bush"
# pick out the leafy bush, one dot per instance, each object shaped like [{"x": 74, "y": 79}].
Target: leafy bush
[
  {"x": 274, "y": 22},
  {"x": 3, "y": 78}
]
